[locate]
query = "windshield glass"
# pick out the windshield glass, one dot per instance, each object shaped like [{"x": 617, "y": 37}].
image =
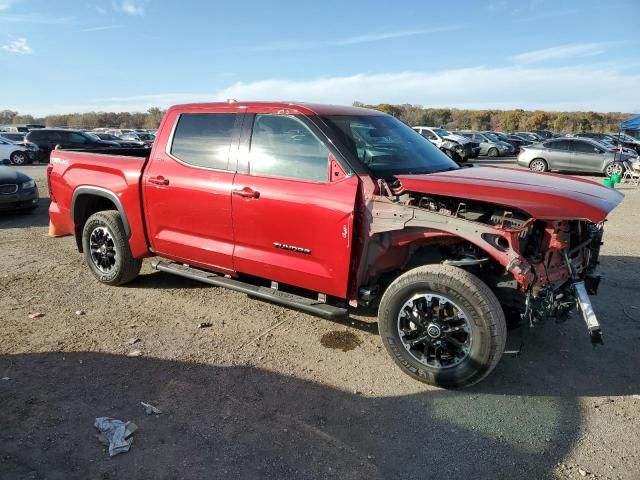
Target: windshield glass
[
  {"x": 441, "y": 132},
  {"x": 92, "y": 136},
  {"x": 145, "y": 136},
  {"x": 492, "y": 136},
  {"x": 387, "y": 146}
]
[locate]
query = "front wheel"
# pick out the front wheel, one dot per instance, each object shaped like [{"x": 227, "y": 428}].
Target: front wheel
[
  {"x": 493, "y": 152},
  {"x": 442, "y": 325},
  {"x": 106, "y": 249},
  {"x": 613, "y": 168},
  {"x": 18, "y": 158}
]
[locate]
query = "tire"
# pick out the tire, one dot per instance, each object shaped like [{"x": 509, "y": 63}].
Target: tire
[
  {"x": 453, "y": 156},
  {"x": 613, "y": 168},
  {"x": 484, "y": 332},
  {"x": 111, "y": 260},
  {"x": 493, "y": 152},
  {"x": 538, "y": 165},
  {"x": 18, "y": 158}
]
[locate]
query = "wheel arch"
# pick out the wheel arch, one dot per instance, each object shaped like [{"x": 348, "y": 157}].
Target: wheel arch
[{"x": 88, "y": 200}]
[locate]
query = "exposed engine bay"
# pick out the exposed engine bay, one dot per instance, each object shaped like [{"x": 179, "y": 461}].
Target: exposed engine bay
[{"x": 539, "y": 269}]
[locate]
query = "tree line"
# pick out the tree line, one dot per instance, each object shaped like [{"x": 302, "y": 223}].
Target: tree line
[
  {"x": 504, "y": 120},
  {"x": 450, "y": 118},
  {"x": 89, "y": 120}
]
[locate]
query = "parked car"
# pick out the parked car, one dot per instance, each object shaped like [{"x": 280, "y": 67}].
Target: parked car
[
  {"x": 609, "y": 140},
  {"x": 20, "y": 127},
  {"x": 533, "y": 137},
  {"x": 112, "y": 138},
  {"x": 544, "y": 134},
  {"x": 513, "y": 140},
  {"x": 489, "y": 144},
  {"x": 13, "y": 136},
  {"x": 574, "y": 155},
  {"x": 15, "y": 153},
  {"x": 456, "y": 147},
  {"x": 627, "y": 141},
  {"x": 17, "y": 190},
  {"x": 145, "y": 138},
  {"x": 326, "y": 208},
  {"x": 46, "y": 140}
]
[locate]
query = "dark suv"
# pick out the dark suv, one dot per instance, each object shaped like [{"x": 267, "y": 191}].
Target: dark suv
[{"x": 46, "y": 140}]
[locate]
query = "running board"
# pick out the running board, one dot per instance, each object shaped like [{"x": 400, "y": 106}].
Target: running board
[{"x": 298, "y": 302}]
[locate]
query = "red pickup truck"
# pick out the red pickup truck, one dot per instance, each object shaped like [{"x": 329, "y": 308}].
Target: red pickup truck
[{"x": 325, "y": 209}]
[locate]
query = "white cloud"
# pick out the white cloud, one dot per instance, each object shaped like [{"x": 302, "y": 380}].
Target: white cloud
[
  {"x": 128, "y": 8},
  {"x": 373, "y": 37},
  {"x": 19, "y": 46},
  {"x": 572, "y": 88},
  {"x": 34, "y": 18},
  {"x": 103, "y": 27},
  {"x": 562, "y": 52}
]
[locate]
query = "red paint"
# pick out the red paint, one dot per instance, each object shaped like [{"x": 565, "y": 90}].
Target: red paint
[
  {"x": 542, "y": 195},
  {"x": 307, "y": 234}
]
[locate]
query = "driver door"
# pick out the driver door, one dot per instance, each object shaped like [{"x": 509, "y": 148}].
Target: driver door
[{"x": 293, "y": 206}]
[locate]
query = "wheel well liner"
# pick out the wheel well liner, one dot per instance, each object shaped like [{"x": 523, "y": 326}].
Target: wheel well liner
[{"x": 88, "y": 200}]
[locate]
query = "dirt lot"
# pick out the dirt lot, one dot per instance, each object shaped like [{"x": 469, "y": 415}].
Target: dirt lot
[{"x": 267, "y": 392}]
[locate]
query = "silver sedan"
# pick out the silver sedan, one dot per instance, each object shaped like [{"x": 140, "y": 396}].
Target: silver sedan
[{"x": 573, "y": 154}]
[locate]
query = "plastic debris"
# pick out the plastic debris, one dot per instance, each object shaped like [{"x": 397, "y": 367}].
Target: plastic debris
[
  {"x": 134, "y": 353},
  {"x": 150, "y": 409},
  {"x": 131, "y": 341},
  {"x": 115, "y": 434},
  {"x": 80, "y": 312},
  {"x": 204, "y": 325},
  {"x": 34, "y": 315}
]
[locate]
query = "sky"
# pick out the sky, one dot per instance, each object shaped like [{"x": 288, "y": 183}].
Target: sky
[{"x": 62, "y": 56}]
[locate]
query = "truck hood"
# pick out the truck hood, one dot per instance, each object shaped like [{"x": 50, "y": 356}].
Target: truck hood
[{"x": 542, "y": 195}]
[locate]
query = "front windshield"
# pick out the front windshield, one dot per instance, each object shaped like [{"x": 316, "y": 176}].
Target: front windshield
[
  {"x": 145, "y": 136},
  {"x": 92, "y": 136},
  {"x": 387, "y": 146},
  {"x": 441, "y": 132},
  {"x": 492, "y": 136}
]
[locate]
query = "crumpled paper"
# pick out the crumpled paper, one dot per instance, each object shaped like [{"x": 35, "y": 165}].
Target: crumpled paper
[{"x": 115, "y": 434}]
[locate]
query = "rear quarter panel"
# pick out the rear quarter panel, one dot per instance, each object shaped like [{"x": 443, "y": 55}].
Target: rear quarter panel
[{"x": 117, "y": 174}]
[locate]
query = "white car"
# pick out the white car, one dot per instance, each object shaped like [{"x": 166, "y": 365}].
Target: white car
[
  {"x": 13, "y": 152},
  {"x": 458, "y": 147}
]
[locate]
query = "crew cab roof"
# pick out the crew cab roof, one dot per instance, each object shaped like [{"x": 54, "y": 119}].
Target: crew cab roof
[{"x": 269, "y": 107}]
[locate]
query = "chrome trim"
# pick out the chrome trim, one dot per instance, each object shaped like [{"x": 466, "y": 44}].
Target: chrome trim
[{"x": 3, "y": 187}]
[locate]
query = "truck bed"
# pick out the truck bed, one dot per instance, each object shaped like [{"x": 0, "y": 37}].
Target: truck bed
[{"x": 113, "y": 174}]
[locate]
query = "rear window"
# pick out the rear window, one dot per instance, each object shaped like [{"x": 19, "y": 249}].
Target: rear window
[{"x": 204, "y": 139}]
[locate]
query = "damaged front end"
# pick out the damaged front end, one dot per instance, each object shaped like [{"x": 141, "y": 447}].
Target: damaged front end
[{"x": 538, "y": 268}]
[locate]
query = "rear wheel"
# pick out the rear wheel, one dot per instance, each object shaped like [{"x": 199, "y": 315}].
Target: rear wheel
[
  {"x": 18, "y": 158},
  {"x": 442, "y": 325},
  {"x": 538, "y": 165},
  {"x": 493, "y": 152},
  {"x": 106, "y": 249}
]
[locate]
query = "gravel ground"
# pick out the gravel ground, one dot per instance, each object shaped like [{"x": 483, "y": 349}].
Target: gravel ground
[{"x": 267, "y": 392}]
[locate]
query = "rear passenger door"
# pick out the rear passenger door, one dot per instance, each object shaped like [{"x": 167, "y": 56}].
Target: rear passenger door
[
  {"x": 586, "y": 157},
  {"x": 187, "y": 189},
  {"x": 558, "y": 156},
  {"x": 292, "y": 206}
]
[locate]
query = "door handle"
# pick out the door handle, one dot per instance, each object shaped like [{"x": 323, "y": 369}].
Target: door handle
[
  {"x": 246, "y": 192},
  {"x": 158, "y": 180}
]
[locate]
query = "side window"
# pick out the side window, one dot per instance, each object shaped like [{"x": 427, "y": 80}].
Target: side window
[
  {"x": 585, "y": 147},
  {"x": 204, "y": 139},
  {"x": 429, "y": 134},
  {"x": 77, "y": 138},
  {"x": 283, "y": 146},
  {"x": 558, "y": 145}
]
